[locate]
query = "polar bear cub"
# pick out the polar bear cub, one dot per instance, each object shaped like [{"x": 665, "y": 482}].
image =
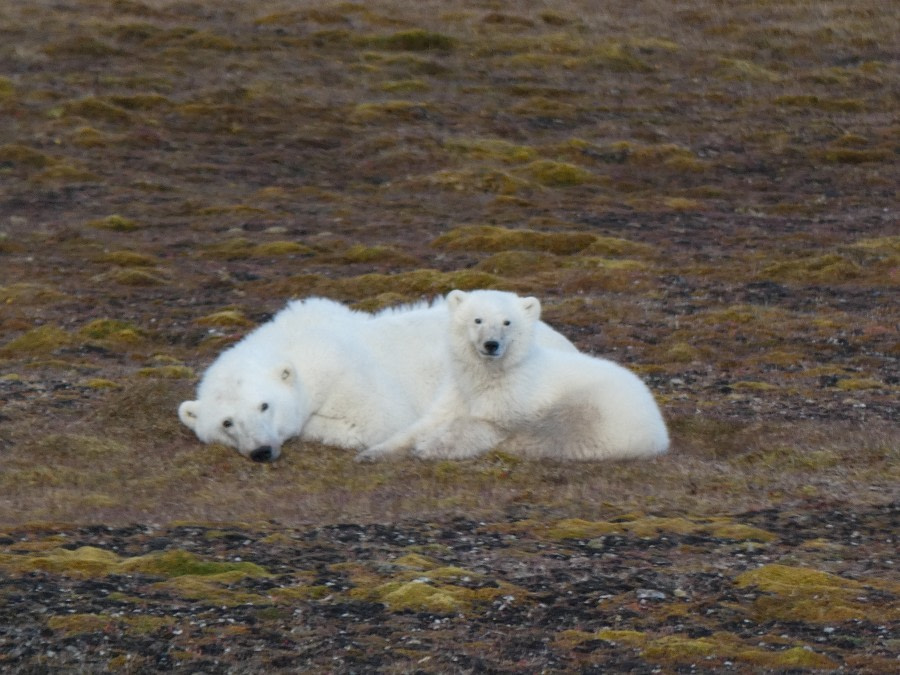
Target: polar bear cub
[{"x": 506, "y": 390}]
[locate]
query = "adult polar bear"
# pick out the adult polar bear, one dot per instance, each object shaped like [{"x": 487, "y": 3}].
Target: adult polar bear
[
  {"x": 326, "y": 373},
  {"x": 506, "y": 389}
]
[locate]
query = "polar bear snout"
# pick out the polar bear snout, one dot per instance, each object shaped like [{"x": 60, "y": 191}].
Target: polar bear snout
[
  {"x": 491, "y": 347},
  {"x": 262, "y": 454}
]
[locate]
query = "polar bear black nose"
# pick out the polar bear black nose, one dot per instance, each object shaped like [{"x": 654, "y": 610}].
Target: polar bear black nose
[
  {"x": 491, "y": 346},
  {"x": 262, "y": 454}
]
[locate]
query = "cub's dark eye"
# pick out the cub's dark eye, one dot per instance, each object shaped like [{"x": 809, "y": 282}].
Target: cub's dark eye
[
  {"x": 264, "y": 407},
  {"x": 506, "y": 323},
  {"x": 227, "y": 424},
  {"x": 477, "y": 320}
]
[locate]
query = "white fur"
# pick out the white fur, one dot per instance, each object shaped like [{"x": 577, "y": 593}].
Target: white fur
[
  {"x": 507, "y": 390},
  {"x": 326, "y": 373}
]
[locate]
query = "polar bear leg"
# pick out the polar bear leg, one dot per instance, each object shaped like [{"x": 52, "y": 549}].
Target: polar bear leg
[
  {"x": 462, "y": 438},
  {"x": 444, "y": 409}
]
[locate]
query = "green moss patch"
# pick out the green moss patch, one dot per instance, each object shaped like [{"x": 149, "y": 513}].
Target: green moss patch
[
  {"x": 804, "y": 594},
  {"x": 115, "y": 330},
  {"x": 90, "y": 561},
  {"x": 478, "y": 180},
  {"x": 551, "y": 173},
  {"x": 227, "y": 318},
  {"x": 179, "y": 563},
  {"x": 652, "y": 526},
  {"x": 37, "y": 342},
  {"x": 167, "y": 372},
  {"x": 128, "y": 259},
  {"x": 423, "y": 585},
  {"x": 492, "y": 238},
  {"x": 25, "y": 293},
  {"x": 277, "y": 248},
  {"x": 97, "y": 109},
  {"x": 23, "y": 155},
  {"x": 827, "y": 268},
  {"x": 115, "y": 223},
  {"x": 491, "y": 149}
]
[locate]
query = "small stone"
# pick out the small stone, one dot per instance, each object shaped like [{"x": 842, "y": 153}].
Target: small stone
[{"x": 650, "y": 594}]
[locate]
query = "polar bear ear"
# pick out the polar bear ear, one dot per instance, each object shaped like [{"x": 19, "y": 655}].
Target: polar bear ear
[
  {"x": 532, "y": 307},
  {"x": 286, "y": 374},
  {"x": 187, "y": 412},
  {"x": 455, "y": 298}
]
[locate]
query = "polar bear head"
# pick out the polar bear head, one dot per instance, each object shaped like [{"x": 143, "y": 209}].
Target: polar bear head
[
  {"x": 253, "y": 407},
  {"x": 493, "y": 325}
]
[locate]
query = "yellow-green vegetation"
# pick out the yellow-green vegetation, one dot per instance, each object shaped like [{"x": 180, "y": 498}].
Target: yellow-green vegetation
[
  {"x": 360, "y": 253},
  {"x": 36, "y": 342},
  {"x": 239, "y": 248},
  {"x": 98, "y": 110},
  {"x": 803, "y": 594},
  {"x": 478, "y": 180},
  {"x": 115, "y": 223},
  {"x": 557, "y": 174},
  {"x": 128, "y": 259},
  {"x": 90, "y": 561},
  {"x": 421, "y": 584},
  {"x": 23, "y": 155},
  {"x": 639, "y": 525},
  {"x": 136, "y": 277},
  {"x": 492, "y": 238},
  {"x": 111, "y": 329},
  {"x": 226, "y": 318},
  {"x": 711, "y": 651},
  {"x": 168, "y": 372},
  {"x": 491, "y": 148},
  {"x": 26, "y": 293},
  {"x": 386, "y": 111}
]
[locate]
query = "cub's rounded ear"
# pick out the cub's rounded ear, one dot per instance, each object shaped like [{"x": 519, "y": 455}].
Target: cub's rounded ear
[
  {"x": 286, "y": 374},
  {"x": 532, "y": 307},
  {"x": 187, "y": 413},
  {"x": 455, "y": 298}
]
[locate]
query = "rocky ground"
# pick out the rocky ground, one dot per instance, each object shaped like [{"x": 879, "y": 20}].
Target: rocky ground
[{"x": 703, "y": 192}]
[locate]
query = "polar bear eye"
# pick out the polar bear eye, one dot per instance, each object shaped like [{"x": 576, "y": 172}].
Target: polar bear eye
[
  {"x": 264, "y": 407},
  {"x": 506, "y": 323},
  {"x": 477, "y": 320},
  {"x": 227, "y": 424}
]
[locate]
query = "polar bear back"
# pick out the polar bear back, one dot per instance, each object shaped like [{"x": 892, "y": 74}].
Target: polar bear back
[{"x": 592, "y": 408}]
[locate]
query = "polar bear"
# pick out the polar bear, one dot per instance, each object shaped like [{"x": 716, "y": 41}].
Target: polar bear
[
  {"x": 326, "y": 373},
  {"x": 507, "y": 390}
]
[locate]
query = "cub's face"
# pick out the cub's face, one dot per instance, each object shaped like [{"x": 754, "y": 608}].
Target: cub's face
[
  {"x": 254, "y": 412},
  {"x": 494, "y": 322}
]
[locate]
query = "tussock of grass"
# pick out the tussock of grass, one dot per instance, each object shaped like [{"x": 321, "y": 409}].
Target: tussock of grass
[
  {"x": 128, "y": 259},
  {"x": 97, "y": 109},
  {"x": 115, "y": 223},
  {"x": 802, "y": 594},
  {"x": 23, "y": 155},
  {"x": 557, "y": 174},
  {"x": 39, "y": 341},
  {"x": 491, "y": 238},
  {"x": 226, "y": 318},
  {"x": 423, "y": 585},
  {"x": 416, "y": 40},
  {"x": 491, "y": 148}
]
